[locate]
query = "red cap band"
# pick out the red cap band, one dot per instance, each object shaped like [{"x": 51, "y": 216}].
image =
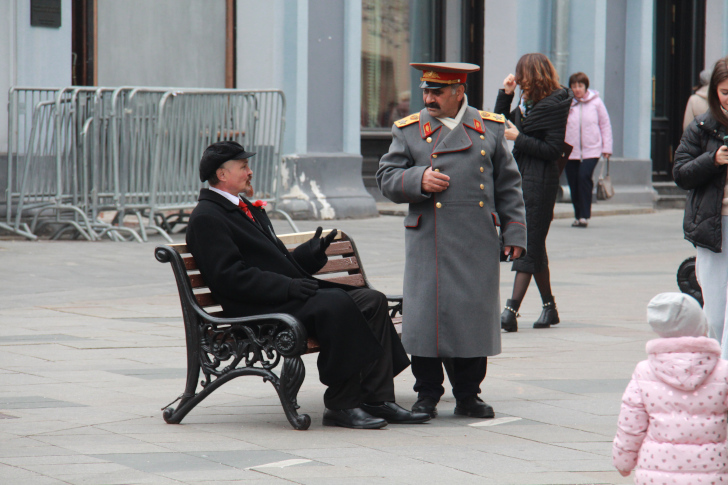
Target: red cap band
[{"x": 444, "y": 77}]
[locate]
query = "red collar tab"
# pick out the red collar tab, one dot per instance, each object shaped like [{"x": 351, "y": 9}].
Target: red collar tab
[
  {"x": 427, "y": 129},
  {"x": 478, "y": 126}
]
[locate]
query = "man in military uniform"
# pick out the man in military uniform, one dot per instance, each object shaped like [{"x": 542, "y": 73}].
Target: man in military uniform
[{"x": 450, "y": 162}]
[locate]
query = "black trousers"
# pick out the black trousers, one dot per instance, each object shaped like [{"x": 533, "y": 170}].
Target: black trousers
[
  {"x": 579, "y": 174},
  {"x": 465, "y": 375},
  {"x": 375, "y": 383}
]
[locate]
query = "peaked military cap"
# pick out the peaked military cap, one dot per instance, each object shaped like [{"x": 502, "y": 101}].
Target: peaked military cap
[{"x": 437, "y": 75}]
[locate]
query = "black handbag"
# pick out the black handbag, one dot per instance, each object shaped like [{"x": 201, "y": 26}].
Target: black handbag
[{"x": 564, "y": 158}]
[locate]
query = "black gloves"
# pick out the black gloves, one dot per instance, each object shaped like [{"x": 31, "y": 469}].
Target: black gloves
[
  {"x": 319, "y": 244},
  {"x": 302, "y": 289}
]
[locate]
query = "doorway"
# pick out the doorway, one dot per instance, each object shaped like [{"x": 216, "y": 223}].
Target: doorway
[
  {"x": 83, "y": 43},
  {"x": 679, "y": 56}
]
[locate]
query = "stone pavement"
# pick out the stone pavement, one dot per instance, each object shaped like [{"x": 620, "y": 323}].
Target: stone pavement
[
  {"x": 561, "y": 210},
  {"x": 92, "y": 346}
]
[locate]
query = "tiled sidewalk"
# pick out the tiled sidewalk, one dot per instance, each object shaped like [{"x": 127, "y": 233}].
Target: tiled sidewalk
[{"x": 92, "y": 346}]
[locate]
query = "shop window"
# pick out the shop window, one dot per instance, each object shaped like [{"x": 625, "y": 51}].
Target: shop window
[{"x": 385, "y": 95}]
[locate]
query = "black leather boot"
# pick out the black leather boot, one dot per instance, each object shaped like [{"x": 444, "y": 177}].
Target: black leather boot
[
  {"x": 509, "y": 323},
  {"x": 549, "y": 315}
]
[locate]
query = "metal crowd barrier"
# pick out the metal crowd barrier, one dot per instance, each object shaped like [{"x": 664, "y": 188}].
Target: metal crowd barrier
[
  {"x": 22, "y": 102},
  {"x": 129, "y": 150}
]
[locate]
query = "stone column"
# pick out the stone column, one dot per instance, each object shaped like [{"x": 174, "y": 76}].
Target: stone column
[{"x": 311, "y": 49}]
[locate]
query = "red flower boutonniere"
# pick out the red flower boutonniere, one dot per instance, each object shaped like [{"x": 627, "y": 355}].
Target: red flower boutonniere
[{"x": 260, "y": 203}]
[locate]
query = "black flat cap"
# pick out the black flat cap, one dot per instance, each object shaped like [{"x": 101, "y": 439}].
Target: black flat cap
[{"x": 219, "y": 153}]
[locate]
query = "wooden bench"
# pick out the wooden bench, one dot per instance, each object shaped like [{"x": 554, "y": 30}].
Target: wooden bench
[{"x": 225, "y": 348}]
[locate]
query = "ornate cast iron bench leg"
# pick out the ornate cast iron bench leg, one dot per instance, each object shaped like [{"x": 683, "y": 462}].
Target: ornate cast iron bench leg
[{"x": 290, "y": 382}]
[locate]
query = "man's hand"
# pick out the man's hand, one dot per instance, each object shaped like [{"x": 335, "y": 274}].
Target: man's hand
[
  {"x": 721, "y": 156},
  {"x": 302, "y": 289},
  {"x": 511, "y": 132},
  {"x": 434, "y": 181},
  {"x": 606, "y": 155},
  {"x": 509, "y": 84},
  {"x": 514, "y": 251},
  {"x": 319, "y": 244}
]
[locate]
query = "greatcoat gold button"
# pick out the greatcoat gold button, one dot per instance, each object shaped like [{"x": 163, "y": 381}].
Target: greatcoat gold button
[
  {"x": 438, "y": 205},
  {"x": 482, "y": 152},
  {"x": 429, "y": 139},
  {"x": 434, "y": 156},
  {"x": 482, "y": 137},
  {"x": 482, "y": 169},
  {"x": 482, "y": 187},
  {"x": 481, "y": 203}
]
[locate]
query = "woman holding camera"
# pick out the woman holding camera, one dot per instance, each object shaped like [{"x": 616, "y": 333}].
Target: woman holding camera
[
  {"x": 700, "y": 167},
  {"x": 536, "y": 126}
]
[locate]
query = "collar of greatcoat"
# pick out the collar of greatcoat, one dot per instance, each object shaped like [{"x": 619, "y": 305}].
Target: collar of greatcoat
[
  {"x": 455, "y": 140},
  {"x": 228, "y": 205}
]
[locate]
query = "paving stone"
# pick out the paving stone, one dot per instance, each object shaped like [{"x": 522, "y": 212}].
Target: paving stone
[
  {"x": 168, "y": 373},
  {"x": 33, "y": 402},
  {"x": 116, "y": 347}
]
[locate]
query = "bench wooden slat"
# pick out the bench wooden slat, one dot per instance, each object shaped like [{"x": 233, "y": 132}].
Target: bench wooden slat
[
  {"x": 341, "y": 265},
  {"x": 205, "y": 300},
  {"x": 181, "y": 248},
  {"x": 196, "y": 281},
  {"x": 190, "y": 263},
  {"x": 302, "y": 237},
  {"x": 340, "y": 249},
  {"x": 351, "y": 280}
]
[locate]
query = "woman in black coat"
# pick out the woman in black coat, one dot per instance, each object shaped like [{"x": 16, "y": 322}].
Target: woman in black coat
[
  {"x": 700, "y": 167},
  {"x": 537, "y": 127}
]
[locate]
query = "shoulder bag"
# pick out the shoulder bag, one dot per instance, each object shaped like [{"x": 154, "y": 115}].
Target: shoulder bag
[{"x": 605, "y": 190}]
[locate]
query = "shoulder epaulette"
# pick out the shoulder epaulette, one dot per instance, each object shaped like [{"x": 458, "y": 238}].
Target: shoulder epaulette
[
  {"x": 487, "y": 115},
  {"x": 407, "y": 120}
]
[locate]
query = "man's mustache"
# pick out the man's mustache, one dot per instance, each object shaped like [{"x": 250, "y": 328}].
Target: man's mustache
[{"x": 432, "y": 105}]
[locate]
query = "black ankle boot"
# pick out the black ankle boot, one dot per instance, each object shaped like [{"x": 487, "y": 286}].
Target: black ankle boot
[
  {"x": 509, "y": 323},
  {"x": 549, "y": 315}
]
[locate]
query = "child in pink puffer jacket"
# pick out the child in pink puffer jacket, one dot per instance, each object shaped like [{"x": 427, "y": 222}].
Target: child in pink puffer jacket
[{"x": 672, "y": 426}]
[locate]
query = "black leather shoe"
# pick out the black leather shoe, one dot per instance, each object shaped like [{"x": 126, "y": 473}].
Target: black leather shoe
[
  {"x": 473, "y": 407},
  {"x": 509, "y": 321},
  {"x": 427, "y": 405},
  {"x": 355, "y": 418},
  {"x": 394, "y": 413},
  {"x": 549, "y": 316}
]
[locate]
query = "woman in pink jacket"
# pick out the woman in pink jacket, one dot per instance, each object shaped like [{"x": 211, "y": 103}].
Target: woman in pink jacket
[
  {"x": 672, "y": 426},
  {"x": 588, "y": 130}
]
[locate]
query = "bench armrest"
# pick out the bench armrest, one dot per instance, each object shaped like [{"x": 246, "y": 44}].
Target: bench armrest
[
  {"x": 289, "y": 341},
  {"x": 395, "y": 305}
]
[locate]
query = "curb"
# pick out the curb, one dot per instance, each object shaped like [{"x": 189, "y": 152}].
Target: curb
[{"x": 387, "y": 211}]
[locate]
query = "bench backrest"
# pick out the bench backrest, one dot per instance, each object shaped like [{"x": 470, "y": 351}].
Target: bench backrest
[{"x": 343, "y": 266}]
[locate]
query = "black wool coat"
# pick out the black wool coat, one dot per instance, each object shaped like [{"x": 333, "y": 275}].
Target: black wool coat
[
  {"x": 248, "y": 270},
  {"x": 536, "y": 149},
  {"x": 695, "y": 170}
]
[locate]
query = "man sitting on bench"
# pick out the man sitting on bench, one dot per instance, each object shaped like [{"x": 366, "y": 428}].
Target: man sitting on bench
[{"x": 250, "y": 272}]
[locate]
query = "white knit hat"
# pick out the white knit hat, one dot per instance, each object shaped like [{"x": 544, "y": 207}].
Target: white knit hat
[{"x": 676, "y": 315}]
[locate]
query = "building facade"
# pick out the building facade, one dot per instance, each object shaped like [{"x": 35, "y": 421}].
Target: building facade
[{"x": 343, "y": 66}]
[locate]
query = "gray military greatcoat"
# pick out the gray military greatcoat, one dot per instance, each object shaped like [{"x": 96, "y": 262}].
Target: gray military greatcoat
[{"x": 452, "y": 273}]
